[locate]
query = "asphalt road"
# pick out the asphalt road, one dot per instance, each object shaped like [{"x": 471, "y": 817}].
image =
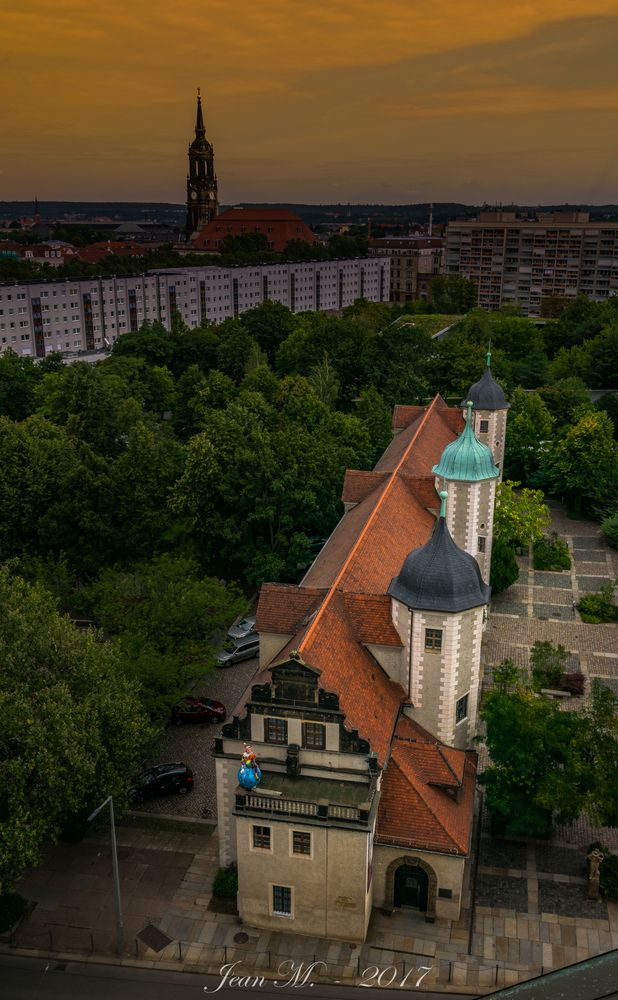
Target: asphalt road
[{"x": 24, "y": 978}]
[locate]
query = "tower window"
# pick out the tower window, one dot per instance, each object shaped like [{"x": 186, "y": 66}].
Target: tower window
[
  {"x": 481, "y": 543},
  {"x": 433, "y": 640},
  {"x": 484, "y": 427},
  {"x": 461, "y": 709}
]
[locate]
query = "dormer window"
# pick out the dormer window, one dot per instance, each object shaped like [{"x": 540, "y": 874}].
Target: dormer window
[{"x": 314, "y": 735}]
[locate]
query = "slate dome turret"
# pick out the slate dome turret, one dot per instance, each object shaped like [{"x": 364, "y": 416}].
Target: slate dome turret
[
  {"x": 440, "y": 576},
  {"x": 486, "y": 394}
]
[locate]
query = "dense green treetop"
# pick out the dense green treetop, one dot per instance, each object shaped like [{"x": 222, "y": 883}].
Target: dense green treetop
[{"x": 72, "y": 729}]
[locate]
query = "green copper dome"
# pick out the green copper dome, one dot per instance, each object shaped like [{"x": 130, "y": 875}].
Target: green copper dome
[{"x": 467, "y": 458}]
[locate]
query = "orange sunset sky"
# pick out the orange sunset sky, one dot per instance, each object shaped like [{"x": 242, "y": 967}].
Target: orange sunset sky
[{"x": 307, "y": 100}]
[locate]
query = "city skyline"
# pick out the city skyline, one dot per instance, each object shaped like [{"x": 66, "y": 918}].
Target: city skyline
[{"x": 313, "y": 102}]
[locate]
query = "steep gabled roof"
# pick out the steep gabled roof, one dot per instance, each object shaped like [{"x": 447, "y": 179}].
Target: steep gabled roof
[
  {"x": 427, "y": 793},
  {"x": 372, "y": 620}
]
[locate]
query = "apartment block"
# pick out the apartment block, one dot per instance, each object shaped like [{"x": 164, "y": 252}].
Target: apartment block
[
  {"x": 414, "y": 262},
  {"x": 69, "y": 315},
  {"x": 523, "y": 262}
]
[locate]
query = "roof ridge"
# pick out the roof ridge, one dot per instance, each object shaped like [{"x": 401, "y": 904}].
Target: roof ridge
[
  {"x": 445, "y": 759},
  {"x": 387, "y": 487}
]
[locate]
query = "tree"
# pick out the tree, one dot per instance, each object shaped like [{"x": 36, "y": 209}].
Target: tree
[
  {"x": 453, "y": 294},
  {"x": 324, "y": 382},
  {"x": 269, "y": 324},
  {"x": 504, "y": 569},
  {"x": 520, "y": 516},
  {"x": 582, "y": 463},
  {"x": 234, "y": 348},
  {"x": 530, "y": 428},
  {"x": 167, "y": 619},
  {"x": 19, "y": 378},
  {"x": 563, "y": 398},
  {"x": 72, "y": 730},
  {"x": 537, "y": 774}
]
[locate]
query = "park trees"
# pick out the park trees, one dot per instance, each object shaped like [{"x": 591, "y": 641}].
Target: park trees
[
  {"x": 530, "y": 427},
  {"x": 547, "y": 765},
  {"x": 452, "y": 293},
  {"x": 72, "y": 730},
  {"x": 582, "y": 463},
  {"x": 521, "y": 516}
]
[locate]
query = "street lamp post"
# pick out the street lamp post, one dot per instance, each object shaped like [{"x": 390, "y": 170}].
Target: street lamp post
[{"x": 119, "y": 921}]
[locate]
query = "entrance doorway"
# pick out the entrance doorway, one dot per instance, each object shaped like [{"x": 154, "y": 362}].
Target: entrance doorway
[{"x": 411, "y": 885}]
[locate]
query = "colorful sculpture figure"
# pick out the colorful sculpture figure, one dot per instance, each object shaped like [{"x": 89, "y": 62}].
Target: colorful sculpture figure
[{"x": 249, "y": 774}]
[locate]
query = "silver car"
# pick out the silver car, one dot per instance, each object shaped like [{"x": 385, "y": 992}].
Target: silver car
[
  {"x": 242, "y": 628},
  {"x": 236, "y": 650}
]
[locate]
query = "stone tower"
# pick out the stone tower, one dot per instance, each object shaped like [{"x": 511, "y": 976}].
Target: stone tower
[
  {"x": 202, "y": 202},
  {"x": 439, "y": 602},
  {"x": 490, "y": 411},
  {"x": 468, "y": 472}
]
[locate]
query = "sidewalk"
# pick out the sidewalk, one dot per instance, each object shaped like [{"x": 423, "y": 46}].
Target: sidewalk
[{"x": 166, "y": 881}]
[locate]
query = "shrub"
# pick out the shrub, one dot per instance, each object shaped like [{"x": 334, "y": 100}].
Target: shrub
[
  {"x": 610, "y": 530},
  {"x": 12, "y": 906},
  {"x": 506, "y": 675},
  {"x": 599, "y": 607},
  {"x": 225, "y": 885},
  {"x": 548, "y": 664},
  {"x": 609, "y": 875},
  {"x": 551, "y": 553},
  {"x": 504, "y": 568}
]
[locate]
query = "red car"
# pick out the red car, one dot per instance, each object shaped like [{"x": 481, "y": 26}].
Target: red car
[{"x": 198, "y": 710}]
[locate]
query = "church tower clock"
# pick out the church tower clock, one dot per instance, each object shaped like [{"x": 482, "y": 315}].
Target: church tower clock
[{"x": 202, "y": 201}]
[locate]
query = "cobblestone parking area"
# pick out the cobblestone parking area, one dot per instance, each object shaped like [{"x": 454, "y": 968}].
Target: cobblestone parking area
[{"x": 192, "y": 744}]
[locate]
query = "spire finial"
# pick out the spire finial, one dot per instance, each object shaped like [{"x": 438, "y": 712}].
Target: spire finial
[
  {"x": 199, "y": 93},
  {"x": 469, "y": 404},
  {"x": 489, "y": 355},
  {"x": 443, "y": 499},
  {"x": 199, "y": 118}
]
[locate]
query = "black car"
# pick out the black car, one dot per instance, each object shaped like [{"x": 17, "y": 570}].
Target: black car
[{"x": 164, "y": 779}]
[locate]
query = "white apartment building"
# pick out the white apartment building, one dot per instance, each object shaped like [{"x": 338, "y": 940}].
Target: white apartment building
[
  {"x": 522, "y": 262},
  {"x": 69, "y": 315}
]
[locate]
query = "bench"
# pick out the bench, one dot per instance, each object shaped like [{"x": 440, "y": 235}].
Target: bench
[{"x": 554, "y": 693}]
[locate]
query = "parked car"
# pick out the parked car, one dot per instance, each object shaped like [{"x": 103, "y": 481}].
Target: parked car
[
  {"x": 236, "y": 650},
  {"x": 192, "y": 709},
  {"x": 163, "y": 779},
  {"x": 242, "y": 628}
]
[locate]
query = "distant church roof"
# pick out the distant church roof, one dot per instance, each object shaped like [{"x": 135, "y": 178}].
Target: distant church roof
[
  {"x": 467, "y": 458},
  {"x": 440, "y": 576},
  {"x": 486, "y": 394}
]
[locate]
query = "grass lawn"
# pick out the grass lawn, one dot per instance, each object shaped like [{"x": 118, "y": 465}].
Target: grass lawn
[{"x": 431, "y": 323}]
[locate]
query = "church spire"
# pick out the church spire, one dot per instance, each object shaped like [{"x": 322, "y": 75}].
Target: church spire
[{"x": 200, "y": 131}]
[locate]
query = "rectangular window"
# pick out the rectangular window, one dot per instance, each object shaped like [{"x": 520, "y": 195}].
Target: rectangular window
[
  {"x": 433, "y": 640},
  {"x": 276, "y": 731},
  {"x": 484, "y": 427},
  {"x": 314, "y": 735},
  {"x": 461, "y": 709},
  {"x": 481, "y": 543},
  {"x": 282, "y": 900},
  {"x": 301, "y": 842},
  {"x": 261, "y": 837}
]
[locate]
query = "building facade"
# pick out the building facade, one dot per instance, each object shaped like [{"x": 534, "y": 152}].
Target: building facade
[
  {"x": 364, "y": 710},
  {"x": 522, "y": 262},
  {"x": 202, "y": 195},
  {"x": 41, "y": 317},
  {"x": 415, "y": 260}
]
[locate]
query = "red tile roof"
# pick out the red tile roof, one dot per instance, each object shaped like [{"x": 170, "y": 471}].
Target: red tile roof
[
  {"x": 371, "y": 618},
  {"x": 278, "y": 225},
  {"x": 349, "y": 579},
  {"x": 403, "y": 416},
  {"x": 283, "y": 609},
  {"x": 427, "y": 793},
  {"x": 358, "y": 485}
]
